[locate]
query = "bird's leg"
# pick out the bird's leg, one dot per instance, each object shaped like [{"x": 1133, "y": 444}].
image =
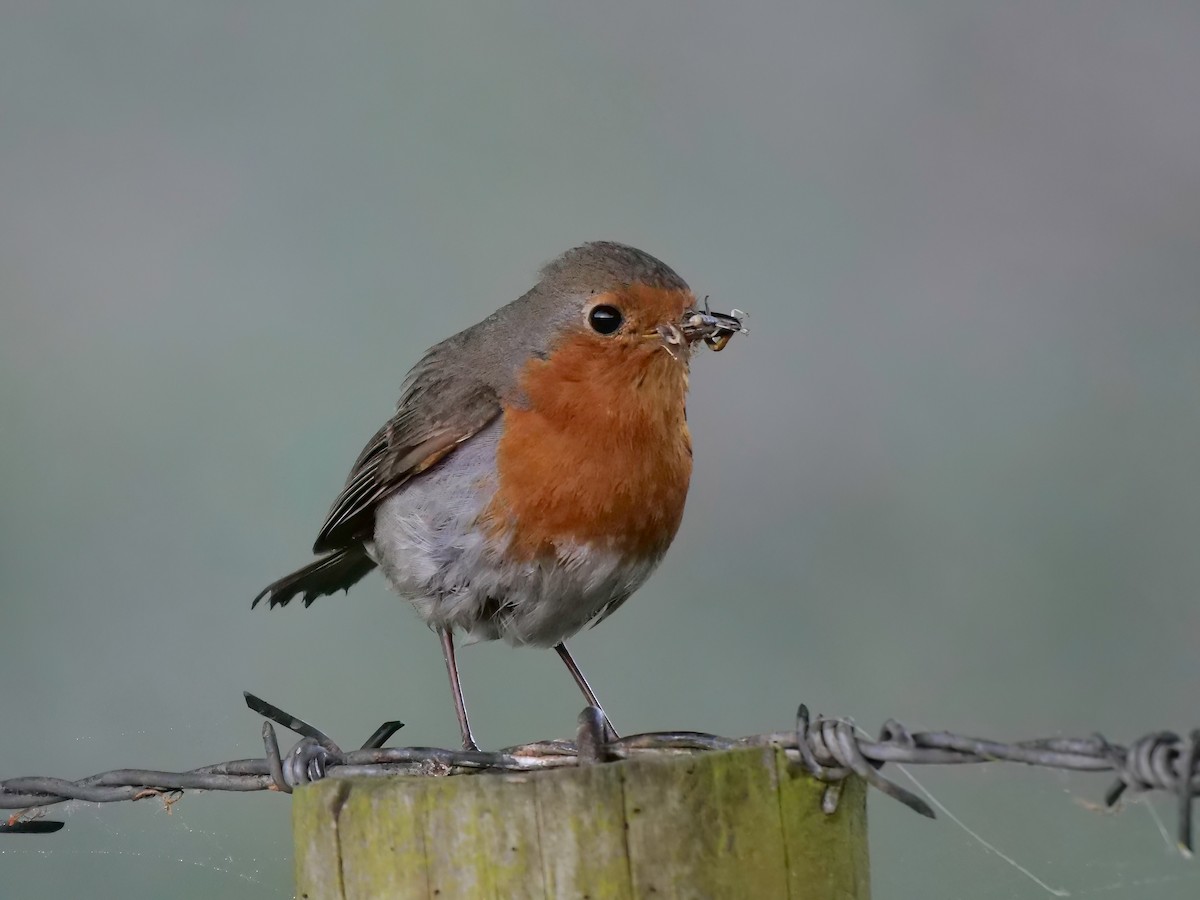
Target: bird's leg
[
  {"x": 460, "y": 706},
  {"x": 565, "y": 655}
]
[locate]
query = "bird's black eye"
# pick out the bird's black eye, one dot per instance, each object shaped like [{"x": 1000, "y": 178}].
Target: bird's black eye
[{"x": 605, "y": 319}]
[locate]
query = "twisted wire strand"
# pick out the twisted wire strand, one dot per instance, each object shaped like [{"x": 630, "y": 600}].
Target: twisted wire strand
[{"x": 830, "y": 749}]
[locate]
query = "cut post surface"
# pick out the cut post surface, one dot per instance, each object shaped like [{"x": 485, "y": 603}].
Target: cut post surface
[{"x": 732, "y": 824}]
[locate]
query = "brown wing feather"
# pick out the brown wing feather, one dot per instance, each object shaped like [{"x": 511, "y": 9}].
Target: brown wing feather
[{"x": 406, "y": 446}]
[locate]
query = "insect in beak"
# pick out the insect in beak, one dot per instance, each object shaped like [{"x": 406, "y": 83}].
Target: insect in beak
[{"x": 715, "y": 329}]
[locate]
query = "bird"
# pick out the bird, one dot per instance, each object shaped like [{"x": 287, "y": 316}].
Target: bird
[{"x": 536, "y": 467}]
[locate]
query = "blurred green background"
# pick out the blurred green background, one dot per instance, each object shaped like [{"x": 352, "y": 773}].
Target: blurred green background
[{"x": 951, "y": 476}]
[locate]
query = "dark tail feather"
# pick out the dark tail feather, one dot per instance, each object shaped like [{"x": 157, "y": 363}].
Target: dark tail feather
[{"x": 336, "y": 572}]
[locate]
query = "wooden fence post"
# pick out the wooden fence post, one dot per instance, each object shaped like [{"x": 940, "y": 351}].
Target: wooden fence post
[{"x": 730, "y": 824}]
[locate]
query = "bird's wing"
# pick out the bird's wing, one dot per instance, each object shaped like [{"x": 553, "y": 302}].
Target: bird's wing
[{"x": 414, "y": 440}]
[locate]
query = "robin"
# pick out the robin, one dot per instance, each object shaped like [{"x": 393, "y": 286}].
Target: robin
[{"x": 535, "y": 471}]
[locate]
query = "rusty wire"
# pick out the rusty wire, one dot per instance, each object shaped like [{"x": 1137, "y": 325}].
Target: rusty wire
[{"x": 830, "y": 749}]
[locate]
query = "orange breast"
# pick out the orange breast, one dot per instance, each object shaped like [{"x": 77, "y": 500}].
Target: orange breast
[{"x": 600, "y": 455}]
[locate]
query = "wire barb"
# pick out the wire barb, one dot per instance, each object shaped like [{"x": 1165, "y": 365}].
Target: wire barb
[
  {"x": 829, "y": 749},
  {"x": 590, "y": 736}
]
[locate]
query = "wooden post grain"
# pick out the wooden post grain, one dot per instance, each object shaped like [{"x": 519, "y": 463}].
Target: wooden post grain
[{"x": 732, "y": 824}]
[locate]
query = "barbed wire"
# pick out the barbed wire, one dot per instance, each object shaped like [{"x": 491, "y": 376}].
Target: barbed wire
[{"x": 830, "y": 749}]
